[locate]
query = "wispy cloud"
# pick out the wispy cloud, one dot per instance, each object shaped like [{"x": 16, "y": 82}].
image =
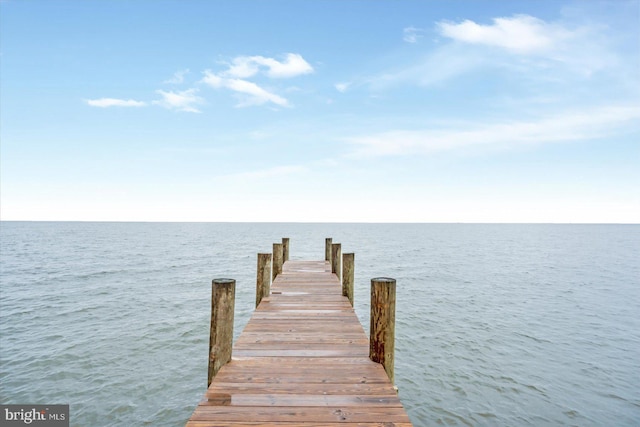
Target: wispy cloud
[
  {"x": 520, "y": 34},
  {"x": 113, "y": 102},
  {"x": 569, "y": 126},
  {"x": 439, "y": 66},
  {"x": 255, "y": 95},
  {"x": 534, "y": 48},
  {"x": 234, "y": 78},
  {"x": 250, "y": 93},
  {"x": 342, "y": 87},
  {"x": 412, "y": 34},
  {"x": 185, "y": 100},
  {"x": 177, "y": 78},
  {"x": 248, "y": 66}
]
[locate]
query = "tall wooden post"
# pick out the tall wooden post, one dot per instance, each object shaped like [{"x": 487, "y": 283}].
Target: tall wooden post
[
  {"x": 263, "y": 279},
  {"x": 223, "y": 298},
  {"x": 285, "y": 249},
  {"x": 327, "y": 249},
  {"x": 347, "y": 276},
  {"x": 383, "y": 323},
  {"x": 336, "y": 258},
  {"x": 277, "y": 260}
]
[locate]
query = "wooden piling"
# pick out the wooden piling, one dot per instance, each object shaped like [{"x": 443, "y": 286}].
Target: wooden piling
[
  {"x": 263, "y": 279},
  {"x": 277, "y": 260},
  {"x": 303, "y": 358},
  {"x": 223, "y": 297},
  {"x": 285, "y": 249},
  {"x": 348, "y": 276},
  {"x": 383, "y": 323},
  {"x": 327, "y": 249},
  {"x": 336, "y": 258}
]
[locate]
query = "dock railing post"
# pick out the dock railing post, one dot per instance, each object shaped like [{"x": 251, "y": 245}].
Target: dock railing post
[
  {"x": 263, "y": 279},
  {"x": 383, "y": 323},
  {"x": 223, "y": 297},
  {"x": 285, "y": 249},
  {"x": 336, "y": 258},
  {"x": 277, "y": 260},
  {"x": 327, "y": 249},
  {"x": 348, "y": 276}
]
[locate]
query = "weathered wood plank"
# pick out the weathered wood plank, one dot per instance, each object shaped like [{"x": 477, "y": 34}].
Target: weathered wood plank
[
  {"x": 302, "y": 360},
  {"x": 290, "y": 424},
  {"x": 302, "y": 413},
  {"x": 297, "y": 388},
  {"x": 302, "y": 353},
  {"x": 302, "y": 399}
]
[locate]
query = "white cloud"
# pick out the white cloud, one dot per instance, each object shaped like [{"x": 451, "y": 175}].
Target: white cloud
[
  {"x": 342, "y": 87},
  {"x": 519, "y": 34},
  {"x": 294, "y": 65},
  {"x": 412, "y": 34},
  {"x": 248, "y": 66},
  {"x": 256, "y": 94},
  {"x": 242, "y": 67},
  {"x": 113, "y": 102},
  {"x": 213, "y": 79},
  {"x": 533, "y": 49},
  {"x": 570, "y": 126},
  {"x": 252, "y": 93},
  {"x": 178, "y": 77},
  {"x": 185, "y": 100}
]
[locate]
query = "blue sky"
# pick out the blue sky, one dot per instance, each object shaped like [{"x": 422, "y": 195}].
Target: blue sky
[{"x": 320, "y": 111}]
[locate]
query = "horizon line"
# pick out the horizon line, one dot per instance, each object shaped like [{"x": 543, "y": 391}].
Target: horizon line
[{"x": 319, "y": 222}]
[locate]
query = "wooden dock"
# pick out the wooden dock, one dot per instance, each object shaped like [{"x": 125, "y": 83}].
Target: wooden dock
[{"x": 302, "y": 360}]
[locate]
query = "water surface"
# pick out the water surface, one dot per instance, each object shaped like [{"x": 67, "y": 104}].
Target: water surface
[{"x": 497, "y": 325}]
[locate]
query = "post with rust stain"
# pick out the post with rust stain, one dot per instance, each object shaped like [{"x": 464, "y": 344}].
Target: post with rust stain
[
  {"x": 347, "y": 276},
  {"x": 336, "y": 258},
  {"x": 263, "y": 280},
  {"x": 223, "y": 298},
  {"x": 327, "y": 249},
  {"x": 277, "y": 260},
  {"x": 383, "y": 323},
  {"x": 285, "y": 249}
]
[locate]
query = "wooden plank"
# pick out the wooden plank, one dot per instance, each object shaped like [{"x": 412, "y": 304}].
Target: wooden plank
[
  {"x": 302, "y": 413},
  {"x": 302, "y": 360},
  {"x": 297, "y": 388},
  {"x": 302, "y": 399},
  {"x": 283, "y": 369},
  {"x": 291, "y": 424},
  {"x": 302, "y": 353}
]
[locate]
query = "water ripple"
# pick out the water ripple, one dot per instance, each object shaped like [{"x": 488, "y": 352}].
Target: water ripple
[{"x": 497, "y": 325}]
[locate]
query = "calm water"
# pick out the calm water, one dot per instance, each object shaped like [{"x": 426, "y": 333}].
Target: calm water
[{"x": 497, "y": 325}]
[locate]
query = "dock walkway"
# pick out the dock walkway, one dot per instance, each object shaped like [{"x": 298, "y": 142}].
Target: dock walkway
[{"x": 302, "y": 360}]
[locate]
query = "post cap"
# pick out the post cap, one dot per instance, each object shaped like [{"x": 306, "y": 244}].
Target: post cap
[
  {"x": 383, "y": 280},
  {"x": 223, "y": 281}
]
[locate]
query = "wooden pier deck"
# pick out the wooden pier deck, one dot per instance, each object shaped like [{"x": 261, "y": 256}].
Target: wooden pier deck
[{"x": 302, "y": 360}]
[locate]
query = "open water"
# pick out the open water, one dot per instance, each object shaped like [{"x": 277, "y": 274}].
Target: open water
[{"x": 497, "y": 325}]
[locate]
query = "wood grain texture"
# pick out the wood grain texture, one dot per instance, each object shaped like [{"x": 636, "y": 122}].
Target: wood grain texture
[
  {"x": 278, "y": 259},
  {"x": 383, "y": 323},
  {"x": 336, "y": 259},
  {"x": 348, "y": 275},
  {"x": 223, "y": 298},
  {"x": 263, "y": 277},
  {"x": 327, "y": 249},
  {"x": 302, "y": 360},
  {"x": 285, "y": 249}
]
